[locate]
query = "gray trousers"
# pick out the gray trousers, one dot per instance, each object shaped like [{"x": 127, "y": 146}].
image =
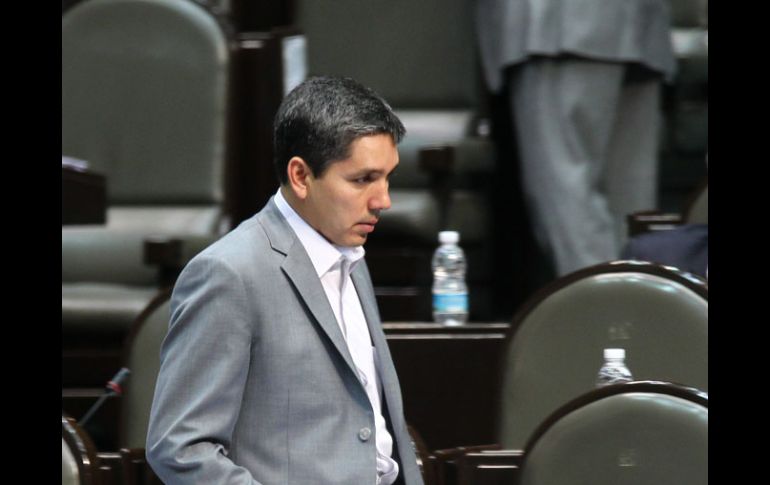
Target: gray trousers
[{"x": 588, "y": 139}]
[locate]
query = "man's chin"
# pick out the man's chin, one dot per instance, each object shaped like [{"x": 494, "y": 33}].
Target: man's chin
[{"x": 354, "y": 241}]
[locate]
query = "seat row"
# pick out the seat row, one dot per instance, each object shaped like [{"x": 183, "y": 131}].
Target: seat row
[
  {"x": 549, "y": 357},
  {"x": 637, "y": 432}
]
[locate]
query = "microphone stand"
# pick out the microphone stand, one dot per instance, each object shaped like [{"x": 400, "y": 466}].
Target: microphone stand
[{"x": 113, "y": 389}]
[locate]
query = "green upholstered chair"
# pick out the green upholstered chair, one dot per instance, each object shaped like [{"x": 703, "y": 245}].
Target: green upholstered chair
[
  {"x": 421, "y": 57},
  {"x": 79, "y": 462},
  {"x": 142, "y": 357},
  {"x": 642, "y": 432},
  {"x": 146, "y": 102},
  {"x": 658, "y": 314},
  {"x": 141, "y": 354}
]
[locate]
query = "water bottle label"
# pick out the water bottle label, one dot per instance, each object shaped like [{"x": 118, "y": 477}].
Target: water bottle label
[{"x": 456, "y": 302}]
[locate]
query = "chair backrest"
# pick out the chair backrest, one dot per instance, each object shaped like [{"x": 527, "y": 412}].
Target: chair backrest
[
  {"x": 415, "y": 54},
  {"x": 644, "y": 432},
  {"x": 144, "y": 98},
  {"x": 142, "y": 357},
  {"x": 146, "y": 102},
  {"x": 658, "y": 314},
  {"x": 421, "y": 57},
  {"x": 78, "y": 454}
]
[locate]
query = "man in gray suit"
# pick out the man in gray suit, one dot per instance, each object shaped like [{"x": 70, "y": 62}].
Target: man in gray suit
[
  {"x": 584, "y": 84},
  {"x": 275, "y": 369}
]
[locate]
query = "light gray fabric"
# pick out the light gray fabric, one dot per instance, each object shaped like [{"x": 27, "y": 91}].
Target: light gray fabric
[
  {"x": 587, "y": 137},
  {"x": 588, "y": 140},
  {"x": 256, "y": 383},
  {"x": 509, "y": 31}
]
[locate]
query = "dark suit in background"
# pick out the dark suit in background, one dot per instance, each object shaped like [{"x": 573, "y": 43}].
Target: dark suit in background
[
  {"x": 584, "y": 79},
  {"x": 685, "y": 247}
]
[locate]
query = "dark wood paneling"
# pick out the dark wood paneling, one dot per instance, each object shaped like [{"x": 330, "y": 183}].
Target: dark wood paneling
[
  {"x": 83, "y": 197},
  {"x": 449, "y": 379}
]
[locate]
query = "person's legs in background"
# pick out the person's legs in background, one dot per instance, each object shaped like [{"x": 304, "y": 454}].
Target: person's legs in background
[{"x": 563, "y": 111}]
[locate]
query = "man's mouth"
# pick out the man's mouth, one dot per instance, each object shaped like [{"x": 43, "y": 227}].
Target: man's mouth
[{"x": 368, "y": 226}]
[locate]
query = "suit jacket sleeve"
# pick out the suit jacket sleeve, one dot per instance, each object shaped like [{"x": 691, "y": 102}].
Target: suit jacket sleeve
[{"x": 204, "y": 365}]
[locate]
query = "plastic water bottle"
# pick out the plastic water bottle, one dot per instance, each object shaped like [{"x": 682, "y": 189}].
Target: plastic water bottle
[
  {"x": 450, "y": 293},
  {"x": 614, "y": 370}
]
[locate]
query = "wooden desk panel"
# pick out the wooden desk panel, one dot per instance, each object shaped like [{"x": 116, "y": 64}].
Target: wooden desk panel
[
  {"x": 83, "y": 197},
  {"x": 449, "y": 379}
]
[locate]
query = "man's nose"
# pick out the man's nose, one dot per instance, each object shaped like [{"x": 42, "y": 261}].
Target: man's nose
[{"x": 381, "y": 199}]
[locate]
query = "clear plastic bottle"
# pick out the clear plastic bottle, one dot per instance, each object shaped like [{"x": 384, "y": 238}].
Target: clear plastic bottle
[
  {"x": 614, "y": 370},
  {"x": 450, "y": 293}
]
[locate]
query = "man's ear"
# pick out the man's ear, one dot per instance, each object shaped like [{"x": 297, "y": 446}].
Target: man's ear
[{"x": 299, "y": 175}]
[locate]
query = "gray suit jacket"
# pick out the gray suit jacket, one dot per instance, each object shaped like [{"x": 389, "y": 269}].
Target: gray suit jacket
[
  {"x": 256, "y": 383},
  {"x": 627, "y": 31}
]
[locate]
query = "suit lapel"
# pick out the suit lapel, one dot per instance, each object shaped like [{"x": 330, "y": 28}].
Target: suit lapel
[
  {"x": 390, "y": 387},
  {"x": 299, "y": 269}
]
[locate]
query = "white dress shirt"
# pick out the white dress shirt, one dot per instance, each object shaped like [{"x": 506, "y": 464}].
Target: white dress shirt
[{"x": 333, "y": 264}]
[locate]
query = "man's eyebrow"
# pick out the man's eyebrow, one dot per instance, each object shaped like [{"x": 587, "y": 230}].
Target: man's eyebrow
[{"x": 368, "y": 171}]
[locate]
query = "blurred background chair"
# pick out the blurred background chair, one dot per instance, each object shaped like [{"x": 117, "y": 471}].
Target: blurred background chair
[
  {"x": 420, "y": 57},
  {"x": 79, "y": 462},
  {"x": 642, "y": 432},
  {"x": 146, "y": 103},
  {"x": 142, "y": 357},
  {"x": 127, "y": 432},
  {"x": 659, "y": 315}
]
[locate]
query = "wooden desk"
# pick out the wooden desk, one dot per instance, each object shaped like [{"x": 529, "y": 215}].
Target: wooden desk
[
  {"x": 83, "y": 197},
  {"x": 449, "y": 379}
]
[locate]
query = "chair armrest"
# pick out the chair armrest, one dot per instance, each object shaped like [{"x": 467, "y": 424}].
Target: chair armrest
[
  {"x": 171, "y": 253},
  {"x": 437, "y": 160},
  {"x": 110, "y": 467},
  {"x": 136, "y": 469},
  {"x": 489, "y": 466},
  {"x": 467, "y": 156},
  {"x": 648, "y": 221},
  {"x": 446, "y": 466}
]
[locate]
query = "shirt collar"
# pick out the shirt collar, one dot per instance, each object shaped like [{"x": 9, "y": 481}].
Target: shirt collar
[{"x": 323, "y": 254}]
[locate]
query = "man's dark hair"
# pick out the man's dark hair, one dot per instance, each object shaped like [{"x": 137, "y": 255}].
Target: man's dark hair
[{"x": 319, "y": 119}]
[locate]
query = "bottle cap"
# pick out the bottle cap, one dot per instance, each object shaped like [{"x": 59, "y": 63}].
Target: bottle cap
[
  {"x": 448, "y": 237},
  {"x": 614, "y": 353}
]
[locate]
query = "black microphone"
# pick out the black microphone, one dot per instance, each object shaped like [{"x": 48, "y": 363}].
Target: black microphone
[{"x": 113, "y": 388}]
